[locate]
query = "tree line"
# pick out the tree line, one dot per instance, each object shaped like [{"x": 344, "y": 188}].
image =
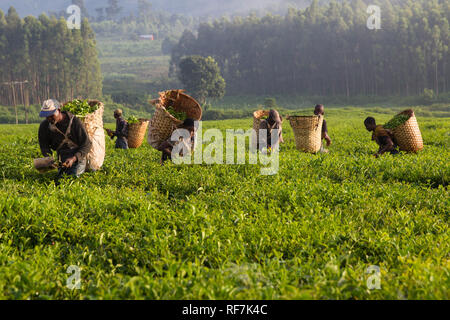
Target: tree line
[
  {"x": 329, "y": 50},
  {"x": 41, "y": 58},
  {"x": 112, "y": 22}
]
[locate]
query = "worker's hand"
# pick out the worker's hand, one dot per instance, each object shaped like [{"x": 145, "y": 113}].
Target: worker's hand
[
  {"x": 328, "y": 143},
  {"x": 69, "y": 162}
]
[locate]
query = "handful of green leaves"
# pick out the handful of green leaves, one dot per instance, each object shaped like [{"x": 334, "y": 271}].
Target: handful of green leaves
[
  {"x": 178, "y": 115},
  {"x": 80, "y": 107},
  {"x": 397, "y": 121},
  {"x": 132, "y": 120}
]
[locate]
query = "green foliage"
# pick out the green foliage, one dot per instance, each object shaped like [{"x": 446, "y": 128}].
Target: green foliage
[
  {"x": 327, "y": 49},
  {"x": 67, "y": 68},
  {"x": 139, "y": 230},
  {"x": 167, "y": 45},
  {"x": 80, "y": 107},
  {"x": 132, "y": 120},
  {"x": 396, "y": 121},
  {"x": 201, "y": 77},
  {"x": 178, "y": 115},
  {"x": 133, "y": 71},
  {"x": 270, "y": 103},
  {"x": 428, "y": 96}
]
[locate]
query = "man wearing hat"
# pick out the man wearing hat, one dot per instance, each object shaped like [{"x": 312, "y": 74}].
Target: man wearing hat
[
  {"x": 65, "y": 133},
  {"x": 121, "y": 130}
]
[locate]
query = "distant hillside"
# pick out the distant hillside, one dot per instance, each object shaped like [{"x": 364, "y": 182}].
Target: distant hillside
[{"x": 189, "y": 7}]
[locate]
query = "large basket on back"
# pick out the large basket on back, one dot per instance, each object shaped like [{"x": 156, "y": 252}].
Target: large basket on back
[
  {"x": 94, "y": 126},
  {"x": 136, "y": 133},
  {"x": 93, "y": 123},
  {"x": 307, "y": 132},
  {"x": 408, "y": 135},
  {"x": 257, "y": 118},
  {"x": 162, "y": 124}
]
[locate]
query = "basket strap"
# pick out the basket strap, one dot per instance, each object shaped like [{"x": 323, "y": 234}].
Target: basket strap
[
  {"x": 317, "y": 125},
  {"x": 69, "y": 142}
]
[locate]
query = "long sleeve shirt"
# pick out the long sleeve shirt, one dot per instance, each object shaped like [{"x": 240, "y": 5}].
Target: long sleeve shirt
[
  {"x": 50, "y": 140},
  {"x": 121, "y": 128}
]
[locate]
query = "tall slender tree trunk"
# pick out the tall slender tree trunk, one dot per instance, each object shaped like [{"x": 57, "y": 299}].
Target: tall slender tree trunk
[
  {"x": 436, "y": 78},
  {"x": 22, "y": 96},
  {"x": 14, "y": 102},
  {"x": 363, "y": 79},
  {"x": 444, "y": 76},
  {"x": 48, "y": 86},
  {"x": 27, "y": 103},
  {"x": 346, "y": 78}
]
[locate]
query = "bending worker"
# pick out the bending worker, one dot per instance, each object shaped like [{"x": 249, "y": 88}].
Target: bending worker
[
  {"x": 66, "y": 134},
  {"x": 121, "y": 130},
  {"x": 273, "y": 122},
  {"x": 383, "y": 137}
]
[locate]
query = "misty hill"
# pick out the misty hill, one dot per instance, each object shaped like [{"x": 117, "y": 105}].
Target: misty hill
[{"x": 189, "y": 7}]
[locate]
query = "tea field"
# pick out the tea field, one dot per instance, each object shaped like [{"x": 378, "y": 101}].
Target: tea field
[{"x": 138, "y": 230}]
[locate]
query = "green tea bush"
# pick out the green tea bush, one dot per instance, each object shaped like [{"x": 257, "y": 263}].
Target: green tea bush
[{"x": 139, "y": 230}]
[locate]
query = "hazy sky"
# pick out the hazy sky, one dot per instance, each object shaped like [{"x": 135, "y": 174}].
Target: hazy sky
[{"x": 191, "y": 7}]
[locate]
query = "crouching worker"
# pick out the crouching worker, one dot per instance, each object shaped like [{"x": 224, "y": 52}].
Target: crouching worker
[
  {"x": 383, "y": 137},
  {"x": 272, "y": 122},
  {"x": 121, "y": 130},
  {"x": 65, "y": 133},
  {"x": 167, "y": 146}
]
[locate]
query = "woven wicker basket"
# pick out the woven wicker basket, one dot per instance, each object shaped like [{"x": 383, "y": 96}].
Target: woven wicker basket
[
  {"x": 307, "y": 132},
  {"x": 136, "y": 133},
  {"x": 93, "y": 123},
  {"x": 257, "y": 118},
  {"x": 162, "y": 124},
  {"x": 408, "y": 135}
]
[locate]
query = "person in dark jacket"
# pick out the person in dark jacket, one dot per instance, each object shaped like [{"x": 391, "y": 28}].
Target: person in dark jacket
[
  {"x": 320, "y": 110},
  {"x": 121, "y": 130},
  {"x": 65, "y": 133}
]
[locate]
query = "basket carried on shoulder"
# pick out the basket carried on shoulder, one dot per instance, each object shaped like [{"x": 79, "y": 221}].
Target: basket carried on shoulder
[
  {"x": 307, "y": 132},
  {"x": 136, "y": 133},
  {"x": 162, "y": 124},
  {"x": 408, "y": 135}
]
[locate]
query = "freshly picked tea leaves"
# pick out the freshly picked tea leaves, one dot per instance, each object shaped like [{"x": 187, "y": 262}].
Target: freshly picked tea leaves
[
  {"x": 397, "y": 121},
  {"x": 80, "y": 107}
]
